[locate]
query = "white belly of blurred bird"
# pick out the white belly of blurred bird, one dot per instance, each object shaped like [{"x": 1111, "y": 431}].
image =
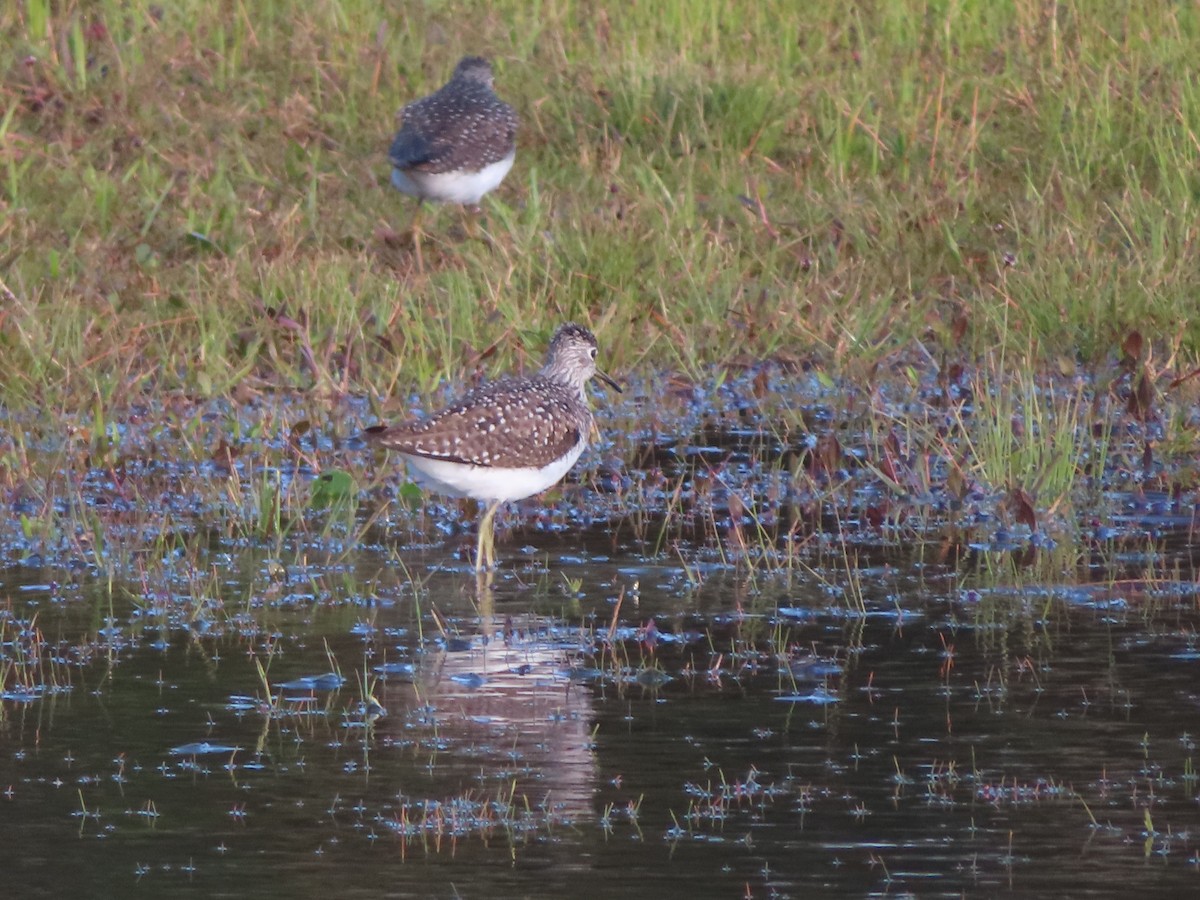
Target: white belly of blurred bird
[{"x": 467, "y": 188}]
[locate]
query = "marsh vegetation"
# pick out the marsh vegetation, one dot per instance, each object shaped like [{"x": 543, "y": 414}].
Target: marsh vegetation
[{"x": 880, "y": 577}]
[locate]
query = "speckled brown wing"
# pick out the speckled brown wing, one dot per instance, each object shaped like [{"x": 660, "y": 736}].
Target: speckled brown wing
[
  {"x": 512, "y": 423},
  {"x": 456, "y": 129}
]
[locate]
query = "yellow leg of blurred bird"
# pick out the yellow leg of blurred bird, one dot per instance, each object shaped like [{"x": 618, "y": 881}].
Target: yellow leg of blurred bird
[
  {"x": 470, "y": 222},
  {"x": 416, "y": 237},
  {"x": 485, "y": 550}
]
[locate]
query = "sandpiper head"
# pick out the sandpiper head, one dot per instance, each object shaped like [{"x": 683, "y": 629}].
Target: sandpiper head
[
  {"x": 571, "y": 357},
  {"x": 473, "y": 68}
]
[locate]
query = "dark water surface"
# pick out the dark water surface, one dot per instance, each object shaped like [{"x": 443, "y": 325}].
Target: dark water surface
[
  {"x": 759, "y": 740},
  {"x": 635, "y": 707}
]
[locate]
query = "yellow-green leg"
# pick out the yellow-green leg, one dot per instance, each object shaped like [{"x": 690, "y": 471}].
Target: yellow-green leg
[
  {"x": 416, "y": 237},
  {"x": 485, "y": 550},
  {"x": 470, "y": 220}
]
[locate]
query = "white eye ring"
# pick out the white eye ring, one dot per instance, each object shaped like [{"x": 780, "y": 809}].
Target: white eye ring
[{"x": 592, "y": 353}]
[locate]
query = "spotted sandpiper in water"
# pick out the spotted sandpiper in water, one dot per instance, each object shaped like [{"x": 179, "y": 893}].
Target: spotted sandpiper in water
[
  {"x": 456, "y": 144},
  {"x": 507, "y": 439}
]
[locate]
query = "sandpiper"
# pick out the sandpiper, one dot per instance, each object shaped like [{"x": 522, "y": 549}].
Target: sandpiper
[
  {"x": 456, "y": 144},
  {"x": 507, "y": 439}
]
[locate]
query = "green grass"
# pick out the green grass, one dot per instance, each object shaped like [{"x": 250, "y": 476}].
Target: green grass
[{"x": 833, "y": 182}]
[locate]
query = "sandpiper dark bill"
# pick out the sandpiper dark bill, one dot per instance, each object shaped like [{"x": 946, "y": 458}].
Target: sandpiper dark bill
[
  {"x": 456, "y": 144},
  {"x": 507, "y": 439}
]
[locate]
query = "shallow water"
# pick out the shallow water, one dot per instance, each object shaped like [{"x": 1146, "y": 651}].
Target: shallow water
[
  {"x": 945, "y": 741},
  {"x": 639, "y": 704}
]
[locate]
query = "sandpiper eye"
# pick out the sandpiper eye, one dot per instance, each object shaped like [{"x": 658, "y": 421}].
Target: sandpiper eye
[{"x": 592, "y": 353}]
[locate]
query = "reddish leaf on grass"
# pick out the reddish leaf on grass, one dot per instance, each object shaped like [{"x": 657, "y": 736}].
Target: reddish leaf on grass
[
  {"x": 298, "y": 431},
  {"x": 956, "y": 482},
  {"x": 288, "y": 322},
  {"x": 1025, "y": 557},
  {"x": 958, "y": 325},
  {"x": 737, "y": 513},
  {"x": 1142, "y": 397},
  {"x": 836, "y": 231},
  {"x": 954, "y": 546},
  {"x": 893, "y": 457},
  {"x": 1022, "y": 507},
  {"x": 826, "y": 456},
  {"x": 1131, "y": 348},
  {"x": 1182, "y": 378},
  {"x": 876, "y": 515},
  {"x": 388, "y": 236},
  {"x": 892, "y": 442},
  {"x": 680, "y": 386},
  {"x": 490, "y": 350},
  {"x": 737, "y": 510},
  {"x": 887, "y": 466},
  {"x": 224, "y": 454},
  {"x": 37, "y": 98},
  {"x": 762, "y": 383}
]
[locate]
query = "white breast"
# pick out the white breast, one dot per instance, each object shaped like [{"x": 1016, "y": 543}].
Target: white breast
[
  {"x": 489, "y": 482},
  {"x": 453, "y": 187}
]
